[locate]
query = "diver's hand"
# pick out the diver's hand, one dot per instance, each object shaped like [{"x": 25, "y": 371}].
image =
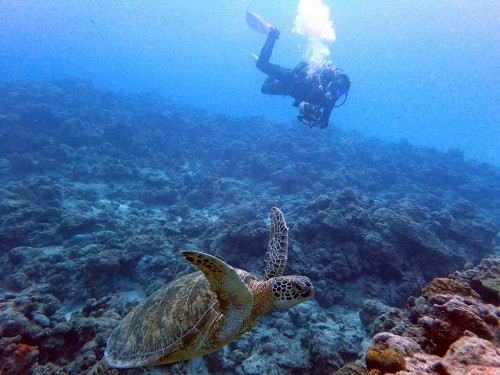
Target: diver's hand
[
  {"x": 318, "y": 124},
  {"x": 310, "y": 122},
  {"x": 306, "y": 121}
]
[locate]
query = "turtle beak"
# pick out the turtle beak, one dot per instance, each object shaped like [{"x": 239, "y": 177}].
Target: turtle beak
[{"x": 309, "y": 293}]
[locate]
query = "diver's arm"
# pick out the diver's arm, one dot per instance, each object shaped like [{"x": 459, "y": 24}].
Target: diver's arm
[{"x": 325, "y": 117}]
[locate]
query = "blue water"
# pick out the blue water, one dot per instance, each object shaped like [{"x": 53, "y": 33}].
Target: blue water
[{"x": 426, "y": 71}]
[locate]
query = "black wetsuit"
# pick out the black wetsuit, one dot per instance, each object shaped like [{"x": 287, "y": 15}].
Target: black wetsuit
[{"x": 315, "y": 89}]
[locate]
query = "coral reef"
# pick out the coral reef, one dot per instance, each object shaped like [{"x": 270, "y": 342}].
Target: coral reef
[
  {"x": 472, "y": 355},
  {"x": 18, "y": 358},
  {"x": 100, "y": 191},
  {"x": 452, "y": 331},
  {"x": 352, "y": 369},
  {"x": 484, "y": 278},
  {"x": 449, "y": 316}
]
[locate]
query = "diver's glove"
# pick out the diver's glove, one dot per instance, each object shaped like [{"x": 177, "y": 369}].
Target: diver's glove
[
  {"x": 273, "y": 33},
  {"x": 309, "y": 114}
]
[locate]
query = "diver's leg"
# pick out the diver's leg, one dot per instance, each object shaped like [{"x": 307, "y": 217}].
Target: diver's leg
[
  {"x": 277, "y": 72},
  {"x": 267, "y": 49},
  {"x": 276, "y": 88},
  {"x": 263, "y": 64}
]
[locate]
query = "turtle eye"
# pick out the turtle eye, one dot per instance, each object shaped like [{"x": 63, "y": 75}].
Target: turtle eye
[{"x": 299, "y": 287}]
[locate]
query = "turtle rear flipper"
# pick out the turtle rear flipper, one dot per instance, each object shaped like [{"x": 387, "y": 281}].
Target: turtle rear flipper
[
  {"x": 100, "y": 368},
  {"x": 235, "y": 299}
]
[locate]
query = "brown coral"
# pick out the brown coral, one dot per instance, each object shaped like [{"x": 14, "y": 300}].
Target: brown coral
[
  {"x": 16, "y": 358},
  {"x": 471, "y": 353},
  {"x": 449, "y": 317},
  {"x": 352, "y": 369},
  {"x": 386, "y": 360},
  {"x": 448, "y": 286}
]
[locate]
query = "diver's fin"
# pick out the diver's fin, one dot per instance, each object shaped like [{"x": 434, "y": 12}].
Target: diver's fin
[
  {"x": 254, "y": 56},
  {"x": 257, "y": 23}
]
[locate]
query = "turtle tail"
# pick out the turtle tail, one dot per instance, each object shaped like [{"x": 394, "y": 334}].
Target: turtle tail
[{"x": 99, "y": 368}]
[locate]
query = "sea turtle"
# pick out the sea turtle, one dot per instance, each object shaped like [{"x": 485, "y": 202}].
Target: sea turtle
[{"x": 201, "y": 312}]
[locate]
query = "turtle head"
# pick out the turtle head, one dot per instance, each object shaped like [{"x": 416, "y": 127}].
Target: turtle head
[{"x": 291, "y": 290}]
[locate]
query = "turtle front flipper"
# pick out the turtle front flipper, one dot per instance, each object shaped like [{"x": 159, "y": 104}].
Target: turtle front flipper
[
  {"x": 235, "y": 299},
  {"x": 277, "y": 248}
]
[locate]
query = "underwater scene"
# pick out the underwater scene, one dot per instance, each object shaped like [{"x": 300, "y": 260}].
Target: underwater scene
[{"x": 249, "y": 187}]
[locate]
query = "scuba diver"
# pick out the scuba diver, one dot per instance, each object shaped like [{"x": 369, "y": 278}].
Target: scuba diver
[{"x": 315, "y": 89}]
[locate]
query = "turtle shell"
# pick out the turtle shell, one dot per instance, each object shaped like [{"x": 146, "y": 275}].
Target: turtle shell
[{"x": 170, "y": 325}]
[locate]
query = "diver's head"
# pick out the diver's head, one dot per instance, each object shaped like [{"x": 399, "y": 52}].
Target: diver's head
[{"x": 341, "y": 84}]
